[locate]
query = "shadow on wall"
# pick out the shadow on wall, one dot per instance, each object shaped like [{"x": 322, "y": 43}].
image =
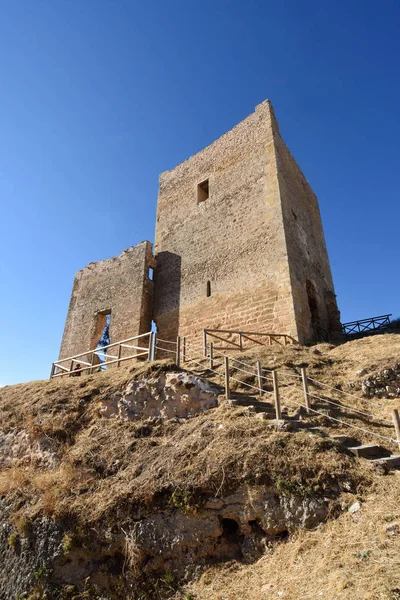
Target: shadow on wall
[
  {"x": 167, "y": 292},
  {"x": 314, "y": 312}
]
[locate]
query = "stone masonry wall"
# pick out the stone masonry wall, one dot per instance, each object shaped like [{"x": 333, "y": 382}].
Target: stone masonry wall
[
  {"x": 121, "y": 284},
  {"x": 307, "y": 253},
  {"x": 235, "y": 239}
]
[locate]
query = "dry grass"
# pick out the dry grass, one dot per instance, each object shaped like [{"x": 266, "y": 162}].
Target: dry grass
[
  {"x": 351, "y": 558},
  {"x": 105, "y": 468},
  {"x": 110, "y": 462}
]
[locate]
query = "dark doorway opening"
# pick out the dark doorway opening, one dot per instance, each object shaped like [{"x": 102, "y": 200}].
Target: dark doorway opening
[
  {"x": 312, "y": 303},
  {"x": 101, "y": 337}
]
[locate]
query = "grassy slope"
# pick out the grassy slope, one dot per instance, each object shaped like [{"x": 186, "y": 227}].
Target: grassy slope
[
  {"x": 109, "y": 465},
  {"x": 351, "y": 558}
]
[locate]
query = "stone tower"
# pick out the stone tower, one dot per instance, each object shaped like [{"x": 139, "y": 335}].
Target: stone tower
[
  {"x": 239, "y": 241},
  {"x": 239, "y": 245}
]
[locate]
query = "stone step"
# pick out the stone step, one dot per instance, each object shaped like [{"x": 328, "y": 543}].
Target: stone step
[
  {"x": 269, "y": 410},
  {"x": 252, "y": 402},
  {"x": 315, "y": 430},
  {"x": 369, "y": 451},
  {"x": 346, "y": 440},
  {"x": 265, "y": 415},
  {"x": 392, "y": 462},
  {"x": 244, "y": 401}
]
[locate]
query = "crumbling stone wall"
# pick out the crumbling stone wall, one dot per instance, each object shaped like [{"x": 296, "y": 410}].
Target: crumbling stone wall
[
  {"x": 227, "y": 261},
  {"x": 121, "y": 284}
]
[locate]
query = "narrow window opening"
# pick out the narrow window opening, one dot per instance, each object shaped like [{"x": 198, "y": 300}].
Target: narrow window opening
[
  {"x": 151, "y": 274},
  {"x": 208, "y": 289},
  {"x": 203, "y": 191}
]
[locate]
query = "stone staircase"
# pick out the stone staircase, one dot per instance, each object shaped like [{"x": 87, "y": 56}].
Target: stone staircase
[
  {"x": 378, "y": 455},
  {"x": 253, "y": 404}
]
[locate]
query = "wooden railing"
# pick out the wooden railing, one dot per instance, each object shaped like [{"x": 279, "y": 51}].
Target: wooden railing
[
  {"x": 90, "y": 361},
  {"x": 355, "y": 328},
  {"x": 301, "y": 391},
  {"x": 239, "y": 340}
]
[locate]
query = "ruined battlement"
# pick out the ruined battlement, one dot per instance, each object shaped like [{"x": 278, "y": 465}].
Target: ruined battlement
[{"x": 120, "y": 287}]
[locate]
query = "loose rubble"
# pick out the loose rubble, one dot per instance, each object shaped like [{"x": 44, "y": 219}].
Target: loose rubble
[{"x": 385, "y": 384}]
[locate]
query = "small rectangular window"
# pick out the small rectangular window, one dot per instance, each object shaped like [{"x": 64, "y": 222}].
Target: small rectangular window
[{"x": 203, "y": 192}]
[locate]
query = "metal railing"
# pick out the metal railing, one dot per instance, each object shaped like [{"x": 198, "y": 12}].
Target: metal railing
[
  {"x": 354, "y": 328},
  {"x": 90, "y": 361}
]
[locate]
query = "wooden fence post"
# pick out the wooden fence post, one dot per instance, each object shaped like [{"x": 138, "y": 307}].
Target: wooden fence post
[
  {"x": 227, "y": 388},
  {"x": 205, "y": 342},
  {"x": 396, "y": 421},
  {"x": 178, "y": 351},
  {"x": 119, "y": 355},
  {"x": 150, "y": 351},
  {"x": 277, "y": 399},
  {"x": 259, "y": 376},
  {"x": 91, "y": 363},
  {"x": 305, "y": 388},
  {"x": 53, "y": 368},
  {"x": 211, "y": 355},
  {"x": 184, "y": 349},
  {"x": 240, "y": 342}
]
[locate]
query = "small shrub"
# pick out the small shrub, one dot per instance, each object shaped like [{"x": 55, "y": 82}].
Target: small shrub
[
  {"x": 23, "y": 525},
  {"x": 41, "y": 572},
  {"x": 169, "y": 577},
  {"x": 67, "y": 544},
  {"x": 182, "y": 499},
  {"x": 364, "y": 555},
  {"x": 12, "y": 540}
]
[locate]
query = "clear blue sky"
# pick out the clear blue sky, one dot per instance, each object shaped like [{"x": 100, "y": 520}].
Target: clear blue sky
[{"x": 100, "y": 96}]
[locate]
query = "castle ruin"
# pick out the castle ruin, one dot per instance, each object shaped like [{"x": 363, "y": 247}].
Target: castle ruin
[{"x": 239, "y": 245}]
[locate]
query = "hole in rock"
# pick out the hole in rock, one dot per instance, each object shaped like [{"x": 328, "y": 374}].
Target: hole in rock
[
  {"x": 256, "y": 527},
  {"x": 230, "y": 546},
  {"x": 230, "y": 528}
]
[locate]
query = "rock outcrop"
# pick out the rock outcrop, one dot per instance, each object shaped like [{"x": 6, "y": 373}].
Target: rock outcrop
[{"x": 168, "y": 395}]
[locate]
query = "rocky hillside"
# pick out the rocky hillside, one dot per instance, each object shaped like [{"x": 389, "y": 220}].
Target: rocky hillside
[{"x": 144, "y": 482}]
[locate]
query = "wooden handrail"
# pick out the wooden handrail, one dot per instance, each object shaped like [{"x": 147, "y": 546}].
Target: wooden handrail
[
  {"x": 102, "y": 352},
  {"x": 71, "y": 373},
  {"x": 246, "y": 335},
  {"x": 136, "y": 337}
]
